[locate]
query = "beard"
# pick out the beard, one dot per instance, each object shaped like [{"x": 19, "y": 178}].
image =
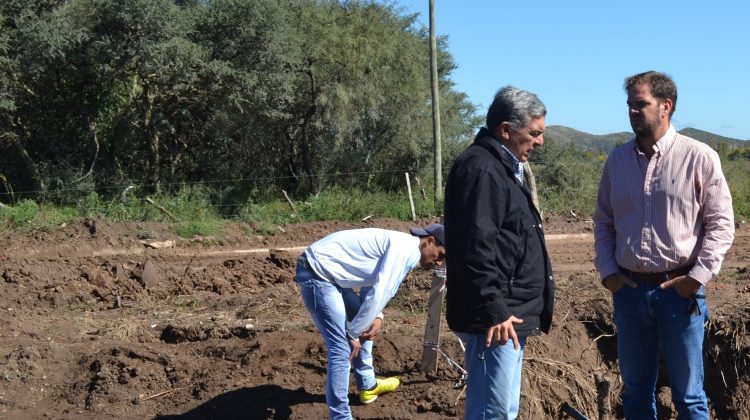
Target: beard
[{"x": 642, "y": 128}]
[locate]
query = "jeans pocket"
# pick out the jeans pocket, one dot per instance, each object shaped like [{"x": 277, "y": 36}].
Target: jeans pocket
[{"x": 621, "y": 291}]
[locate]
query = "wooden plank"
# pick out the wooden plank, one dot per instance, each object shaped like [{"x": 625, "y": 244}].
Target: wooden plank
[{"x": 432, "y": 329}]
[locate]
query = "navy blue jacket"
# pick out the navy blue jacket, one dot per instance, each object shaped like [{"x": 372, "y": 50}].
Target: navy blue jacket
[{"x": 497, "y": 262}]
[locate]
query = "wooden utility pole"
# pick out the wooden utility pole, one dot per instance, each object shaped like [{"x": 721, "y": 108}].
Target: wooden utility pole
[
  {"x": 435, "y": 302},
  {"x": 437, "y": 147}
]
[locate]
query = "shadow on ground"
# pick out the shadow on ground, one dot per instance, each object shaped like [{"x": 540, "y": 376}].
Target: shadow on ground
[{"x": 260, "y": 402}]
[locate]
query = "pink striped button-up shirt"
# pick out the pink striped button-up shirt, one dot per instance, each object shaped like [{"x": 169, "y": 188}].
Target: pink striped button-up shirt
[{"x": 660, "y": 214}]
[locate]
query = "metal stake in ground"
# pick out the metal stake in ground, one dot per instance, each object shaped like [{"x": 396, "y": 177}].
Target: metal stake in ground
[{"x": 461, "y": 382}]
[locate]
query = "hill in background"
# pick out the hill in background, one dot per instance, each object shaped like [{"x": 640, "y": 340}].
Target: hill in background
[{"x": 606, "y": 142}]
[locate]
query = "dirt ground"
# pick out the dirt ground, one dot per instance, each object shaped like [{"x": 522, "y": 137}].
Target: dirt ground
[{"x": 128, "y": 321}]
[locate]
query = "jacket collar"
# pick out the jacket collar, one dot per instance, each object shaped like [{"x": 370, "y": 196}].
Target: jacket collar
[{"x": 485, "y": 139}]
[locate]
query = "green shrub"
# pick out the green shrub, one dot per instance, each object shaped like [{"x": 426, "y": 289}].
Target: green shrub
[
  {"x": 50, "y": 215},
  {"x": 20, "y": 215},
  {"x": 355, "y": 204},
  {"x": 737, "y": 173},
  {"x": 91, "y": 205},
  {"x": 270, "y": 213},
  {"x": 568, "y": 185}
]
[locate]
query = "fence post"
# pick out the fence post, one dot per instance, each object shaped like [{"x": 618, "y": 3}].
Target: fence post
[{"x": 411, "y": 199}]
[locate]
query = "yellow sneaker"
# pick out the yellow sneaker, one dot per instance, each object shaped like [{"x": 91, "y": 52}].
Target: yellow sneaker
[{"x": 383, "y": 385}]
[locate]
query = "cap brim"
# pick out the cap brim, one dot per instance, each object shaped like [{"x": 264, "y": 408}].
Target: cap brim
[{"x": 419, "y": 232}]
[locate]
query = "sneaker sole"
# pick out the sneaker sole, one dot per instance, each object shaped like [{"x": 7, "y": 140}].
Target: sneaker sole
[{"x": 370, "y": 401}]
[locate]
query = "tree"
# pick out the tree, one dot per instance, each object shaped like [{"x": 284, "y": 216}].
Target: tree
[
  {"x": 17, "y": 17},
  {"x": 362, "y": 102},
  {"x": 95, "y": 94}
]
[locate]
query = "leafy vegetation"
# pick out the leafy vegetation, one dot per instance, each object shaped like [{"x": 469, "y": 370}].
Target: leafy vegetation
[
  {"x": 738, "y": 177},
  {"x": 216, "y": 109},
  {"x": 98, "y": 95}
]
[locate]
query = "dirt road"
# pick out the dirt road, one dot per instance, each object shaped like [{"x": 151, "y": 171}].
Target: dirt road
[{"x": 105, "y": 325}]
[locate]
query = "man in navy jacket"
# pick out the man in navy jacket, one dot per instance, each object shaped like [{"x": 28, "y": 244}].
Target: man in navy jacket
[{"x": 500, "y": 286}]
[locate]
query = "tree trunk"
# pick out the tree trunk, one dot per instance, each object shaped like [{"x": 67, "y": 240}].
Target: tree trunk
[
  {"x": 305, "y": 150},
  {"x": 153, "y": 141},
  {"x": 11, "y": 142},
  {"x": 305, "y": 138}
]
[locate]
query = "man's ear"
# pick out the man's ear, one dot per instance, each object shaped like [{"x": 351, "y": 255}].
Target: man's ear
[
  {"x": 667, "y": 104},
  {"x": 503, "y": 130}
]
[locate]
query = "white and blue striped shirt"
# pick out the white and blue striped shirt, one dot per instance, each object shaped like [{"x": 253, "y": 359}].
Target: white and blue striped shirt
[{"x": 517, "y": 164}]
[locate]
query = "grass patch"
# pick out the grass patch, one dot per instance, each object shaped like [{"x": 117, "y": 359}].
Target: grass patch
[
  {"x": 566, "y": 180},
  {"x": 336, "y": 204},
  {"x": 206, "y": 227},
  {"x": 27, "y": 214},
  {"x": 187, "y": 303},
  {"x": 352, "y": 205}
]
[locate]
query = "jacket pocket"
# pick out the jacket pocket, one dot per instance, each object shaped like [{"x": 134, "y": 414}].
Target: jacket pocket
[{"x": 516, "y": 264}]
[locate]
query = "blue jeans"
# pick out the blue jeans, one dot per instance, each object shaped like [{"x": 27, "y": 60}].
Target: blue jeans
[
  {"x": 331, "y": 307},
  {"x": 493, "y": 386},
  {"x": 650, "y": 320}
]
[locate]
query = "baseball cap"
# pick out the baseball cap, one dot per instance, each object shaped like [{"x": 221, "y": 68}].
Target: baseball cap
[{"x": 435, "y": 229}]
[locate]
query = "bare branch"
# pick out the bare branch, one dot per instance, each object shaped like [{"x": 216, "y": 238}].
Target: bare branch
[
  {"x": 167, "y": 212},
  {"x": 92, "y": 126}
]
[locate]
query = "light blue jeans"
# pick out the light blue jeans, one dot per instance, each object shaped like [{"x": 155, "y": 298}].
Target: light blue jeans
[
  {"x": 331, "y": 307},
  {"x": 493, "y": 386},
  {"x": 650, "y": 320}
]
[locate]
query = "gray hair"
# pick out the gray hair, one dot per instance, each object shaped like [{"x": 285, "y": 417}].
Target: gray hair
[{"x": 516, "y": 106}]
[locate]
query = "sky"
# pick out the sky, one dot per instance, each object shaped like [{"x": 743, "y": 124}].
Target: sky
[{"x": 576, "y": 54}]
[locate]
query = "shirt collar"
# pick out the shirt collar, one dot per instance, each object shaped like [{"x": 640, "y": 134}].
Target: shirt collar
[
  {"x": 667, "y": 140},
  {"x": 664, "y": 143},
  {"x": 517, "y": 164}
]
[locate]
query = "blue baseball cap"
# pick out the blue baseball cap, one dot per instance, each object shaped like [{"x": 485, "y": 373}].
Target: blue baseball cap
[{"x": 435, "y": 230}]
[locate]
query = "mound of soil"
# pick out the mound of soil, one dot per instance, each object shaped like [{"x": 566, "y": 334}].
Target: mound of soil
[{"x": 127, "y": 320}]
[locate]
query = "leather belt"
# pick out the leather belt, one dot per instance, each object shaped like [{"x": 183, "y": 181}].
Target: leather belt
[{"x": 657, "y": 277}]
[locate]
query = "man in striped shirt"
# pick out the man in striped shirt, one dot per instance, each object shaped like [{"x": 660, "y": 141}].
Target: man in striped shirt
[{"x": 663, "y": 222}]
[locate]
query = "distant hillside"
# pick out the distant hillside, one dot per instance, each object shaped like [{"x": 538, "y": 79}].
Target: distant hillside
[
  {"x": 712, "y": 139},
  {"x": 605, "y": 143}
]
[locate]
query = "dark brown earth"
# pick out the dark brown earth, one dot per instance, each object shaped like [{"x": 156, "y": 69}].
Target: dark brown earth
[{"x": 116, "y": 321}]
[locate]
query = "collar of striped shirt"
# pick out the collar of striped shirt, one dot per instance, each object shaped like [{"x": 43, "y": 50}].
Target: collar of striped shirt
[
  {"x": 663, "y": 144},
  {"x": 517, "y": 164}
]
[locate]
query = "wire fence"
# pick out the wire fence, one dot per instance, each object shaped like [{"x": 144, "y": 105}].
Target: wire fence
[
  {"x": 206, "y": 182},
  {"x": 86, "y": 186},
  {"x": 562, "y": 186}
]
